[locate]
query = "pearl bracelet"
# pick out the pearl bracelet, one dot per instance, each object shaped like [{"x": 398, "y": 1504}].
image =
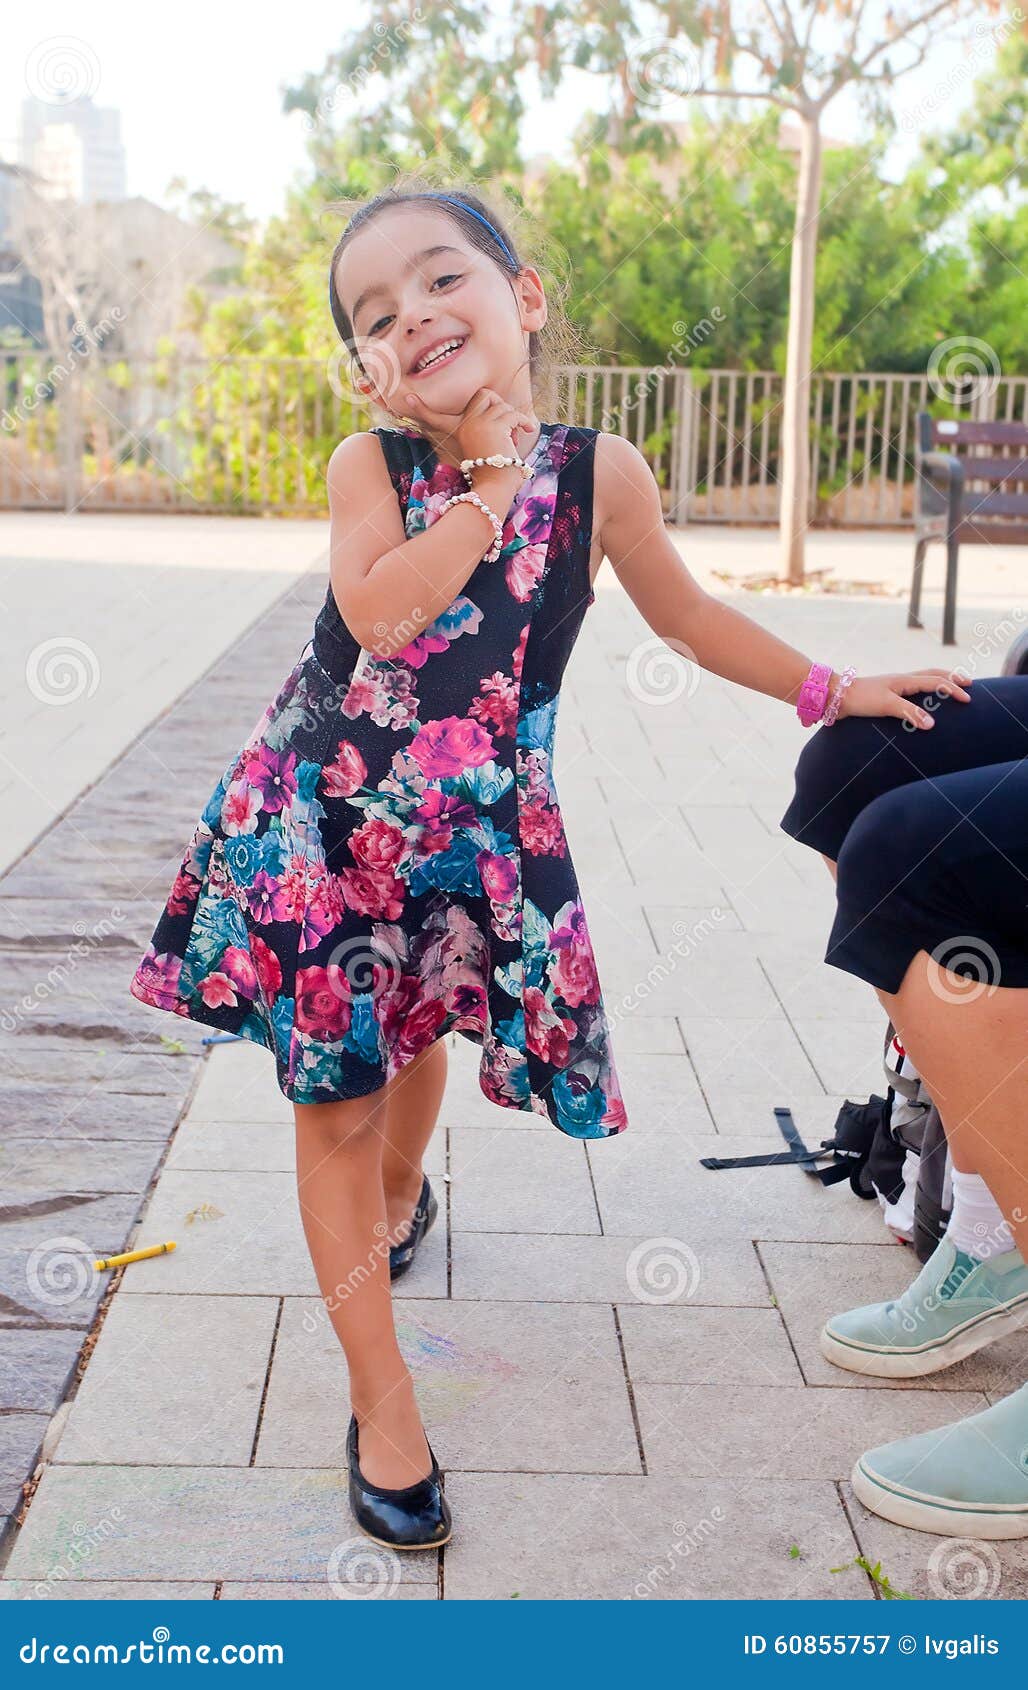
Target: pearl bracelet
[
  {"x": 475, "y": 499},
  {"x": 497, "y": 461}
]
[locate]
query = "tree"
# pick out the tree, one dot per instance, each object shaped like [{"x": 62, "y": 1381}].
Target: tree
[{"x": 802, "y": 54}]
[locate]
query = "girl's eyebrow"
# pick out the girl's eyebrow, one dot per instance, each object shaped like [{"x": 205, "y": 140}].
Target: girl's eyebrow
[{"x": 417, "y": 258}]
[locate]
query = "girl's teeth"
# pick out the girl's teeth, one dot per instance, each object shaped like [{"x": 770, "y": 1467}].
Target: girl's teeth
[{"x": 443, "y": 352}]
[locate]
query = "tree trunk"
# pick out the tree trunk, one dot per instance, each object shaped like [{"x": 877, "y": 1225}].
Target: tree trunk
[{"x": 795, "y": 445}]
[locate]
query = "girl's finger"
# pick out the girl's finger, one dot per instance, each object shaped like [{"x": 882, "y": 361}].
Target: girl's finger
[
  {"x": 913, "y": 714},
  {"x": 938, "y": 681}
]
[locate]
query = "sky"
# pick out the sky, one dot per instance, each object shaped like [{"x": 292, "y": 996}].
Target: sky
[{"x": 200, "y": 92}]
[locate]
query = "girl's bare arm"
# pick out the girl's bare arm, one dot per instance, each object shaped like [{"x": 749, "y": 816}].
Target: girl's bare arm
[
  {"x": 702, "y": 628},
  {"x": 389, "y": 588}
]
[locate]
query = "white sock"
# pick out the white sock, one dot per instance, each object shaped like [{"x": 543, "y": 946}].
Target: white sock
[{"x": 977, "y": 1225}]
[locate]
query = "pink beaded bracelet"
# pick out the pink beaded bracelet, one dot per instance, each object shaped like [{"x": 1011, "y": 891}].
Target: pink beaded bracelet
[{"x": 832, "y": 709}]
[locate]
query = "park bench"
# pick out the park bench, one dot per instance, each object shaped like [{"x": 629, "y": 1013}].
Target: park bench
[{"x": 966, "y": 493}]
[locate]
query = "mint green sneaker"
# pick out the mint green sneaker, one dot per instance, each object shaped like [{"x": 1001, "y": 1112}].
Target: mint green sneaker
[
  {"x": 969, "y": 1479},
  {"x": 954, "y": 1306}
]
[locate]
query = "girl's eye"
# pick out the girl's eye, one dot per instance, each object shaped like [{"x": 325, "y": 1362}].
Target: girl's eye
[{"x": 382, "y": 321}]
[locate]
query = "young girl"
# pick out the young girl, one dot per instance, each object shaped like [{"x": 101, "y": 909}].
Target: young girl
[{"x": 384, "y": 860}]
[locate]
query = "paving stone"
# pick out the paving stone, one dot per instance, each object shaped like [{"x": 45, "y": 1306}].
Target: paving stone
[
  {"x": 553, "y": 1267},
  {"x": 662, "y": 1094},
  {"x": 646, "y": 1190},
  {"x": 813, "y": 1281},
  {"x": 340, "y": 1591},
  {"x": 747, "y": 1113},
  {"x": 21, "y": 1436},
  {"x": 502, "y": 1386},
  {"x": 36, "y": 1218},
  {"x": 520, "y": 1182},
  {"x": 678, "y": 1344},
  {"x": 258, "y": 1146},
  {"x": 59, "y": 1163},
  {"x": 763, "y": 1057},
  {"x": 197, "y": 1523},
  {"x": 238, "y": 1084},
  {"x": 645, "y": 1034},
  {"x": 154, "y": 1073},
  {"x": 847, "y": 1056},
  {"x": 91, "y": 1590},
  {"x": 935, "y": 1569},
  {"x": 57, "y": 1289},
  {"x": 586, "y": 1537},
  {"x": 809, "y": 990},
  {"x": 93, "y": 1115},
  {"x": 780, "y": 1431},
  {"x": 254, "y": 1244},
  {"x": 36, "y": 1368},
  {"x": 175, "y": 1380}
]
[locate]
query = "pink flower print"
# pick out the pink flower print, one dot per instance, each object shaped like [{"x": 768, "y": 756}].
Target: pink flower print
[
  {"x": 445, "y": 748},
  {"x": 498, "y": 704},
  {"x": 421, "y": 649},
  {"x": 419, "y": 1028},
  {"x": 240, "y": 808},
  {"x": 376, "y": 845},
  {"x": 572, "y": 930},
  {"x": 542, "y": 831},
  {"x": 616, "y": 1115},
  {"x": 268, "y": 968},
  {"x": 518, "y": 659},
  {"x": 183, "y": 894},
  {"x": 272, "y": 773},
  {"x": 523, "y": 571},
  {"x": 322, "y": 1002},
  {"x": 438, "y": 814},
  {"x": 574, "y": 975},
  {"x": 218, "y": 992},
  {"x": 499, "y": 875},
  {"x": 267, "y": 899},
  {"x": 360, "y": 696},
  {"x": 322, "y": 911},
  {"x": 373, "y": 892},
  {"x": 238, "y": 965},
  {"x": 547, "y": 1034},
  {"x": 343, "y": 776},
  {"x": 157, "y": 976},
  {"x": 291, "y": 893}
]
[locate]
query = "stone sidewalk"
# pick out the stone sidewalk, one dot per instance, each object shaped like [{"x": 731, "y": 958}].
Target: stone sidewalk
[{"x": 615, "y": 1349}]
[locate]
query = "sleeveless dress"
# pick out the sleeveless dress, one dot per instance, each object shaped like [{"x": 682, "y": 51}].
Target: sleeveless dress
[{"x": 384, "y": 859}]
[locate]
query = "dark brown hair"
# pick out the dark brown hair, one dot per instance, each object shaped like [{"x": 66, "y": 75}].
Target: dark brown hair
[{"x": 556, "y": 343}]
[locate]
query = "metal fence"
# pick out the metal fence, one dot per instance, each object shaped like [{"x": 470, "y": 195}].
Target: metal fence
[{"x": 249, "y": 435}]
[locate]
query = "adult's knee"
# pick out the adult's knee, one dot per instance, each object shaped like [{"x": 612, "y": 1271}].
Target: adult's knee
[{"x": 891, "y": 840}]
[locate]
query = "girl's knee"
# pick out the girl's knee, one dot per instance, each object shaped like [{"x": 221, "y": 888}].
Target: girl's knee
[{"x": 352, "y": 1124}]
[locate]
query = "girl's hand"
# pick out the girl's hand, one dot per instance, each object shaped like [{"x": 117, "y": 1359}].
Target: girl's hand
[
  {"x": 488, "y": 423},
  {"x": 888, "y": 695}
]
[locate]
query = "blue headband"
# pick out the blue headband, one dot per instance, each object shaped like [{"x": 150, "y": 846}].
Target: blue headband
[{"x": 483, "y": 220}]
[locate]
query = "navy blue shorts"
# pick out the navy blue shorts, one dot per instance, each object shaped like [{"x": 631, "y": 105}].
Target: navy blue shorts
[{"x": 929, "y": 828}]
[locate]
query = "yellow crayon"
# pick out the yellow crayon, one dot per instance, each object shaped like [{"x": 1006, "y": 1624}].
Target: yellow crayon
[{"x": 134, "y": 1255}]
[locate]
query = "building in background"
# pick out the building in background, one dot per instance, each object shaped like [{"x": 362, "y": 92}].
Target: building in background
[{"x": 74, "y": 147}]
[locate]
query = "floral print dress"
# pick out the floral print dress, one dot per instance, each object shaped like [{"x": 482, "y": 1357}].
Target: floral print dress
[{"x": 384, "y": 859}]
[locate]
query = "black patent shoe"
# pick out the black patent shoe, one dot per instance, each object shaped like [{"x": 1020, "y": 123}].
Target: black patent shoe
[
  {"x": 401, "y": 1255},
  {"x": 416, "y": 1517}
]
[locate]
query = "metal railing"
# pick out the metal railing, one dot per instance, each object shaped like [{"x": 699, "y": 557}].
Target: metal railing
[{"x": 253, "y": 435}]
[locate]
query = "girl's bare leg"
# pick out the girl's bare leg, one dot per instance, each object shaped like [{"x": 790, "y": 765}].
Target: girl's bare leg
[
  {"x": 339, "y": 1151},
  {"x": 413, "y": 1098}
]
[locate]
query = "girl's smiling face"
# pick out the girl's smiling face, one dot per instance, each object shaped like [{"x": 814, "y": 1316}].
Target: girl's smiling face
[{"x": 413, "y": 286}]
